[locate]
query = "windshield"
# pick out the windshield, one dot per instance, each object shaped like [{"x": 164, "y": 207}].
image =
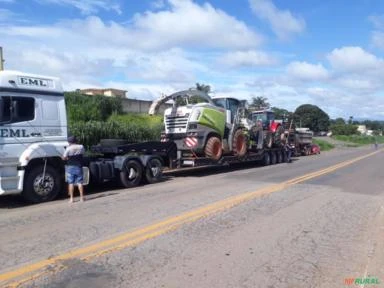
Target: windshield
[
  {"x": 219, "y": 102},
  {"x": 259, "y": 117},
  {"x": 187, "y": 99}
]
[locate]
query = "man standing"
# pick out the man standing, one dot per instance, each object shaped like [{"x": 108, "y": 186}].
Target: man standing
[{"x": 73, "y": 154}]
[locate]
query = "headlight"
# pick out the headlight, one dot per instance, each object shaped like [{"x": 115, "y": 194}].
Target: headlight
[{"x": 195, "y": 115}]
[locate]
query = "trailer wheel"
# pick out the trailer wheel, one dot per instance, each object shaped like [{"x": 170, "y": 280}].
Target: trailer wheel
[
  {"x": 131, "y": 173},
  {"x": 153, "y": 171},
  {"x": 239, "y": 144},
  {"x": 273, "y": 158},
  {"x": 213, "y": 149},
  {"x": 279, "y": 156},
  {"x": 285, "y": 156},
  {"x": 266, "y": 159},
  {"x": 41, "y": 188}
]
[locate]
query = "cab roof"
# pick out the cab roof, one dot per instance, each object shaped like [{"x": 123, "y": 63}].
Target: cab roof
[{"x": 16, "y": 81}]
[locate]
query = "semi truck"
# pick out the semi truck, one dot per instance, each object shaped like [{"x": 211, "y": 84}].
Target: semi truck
[
  {"x": 219, "y": 130},
  {"x": 33, "y": 137}
]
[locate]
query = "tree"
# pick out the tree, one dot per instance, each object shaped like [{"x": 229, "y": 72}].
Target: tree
[
  {"x": 282, "y": 114},
  {"x": 312, "y": 117},
  {"x": 344, "y": 129},
  {"x": 339, "y": 121},
  {"x": 259, "y": 103},
  {"x": 203, "y": 87}
]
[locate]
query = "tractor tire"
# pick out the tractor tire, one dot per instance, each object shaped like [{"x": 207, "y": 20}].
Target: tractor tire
[
  {"x": 279, "y": 137},
  {"x": 239, "y": 143},
  {"x": 131, "y": 173},
  {"x": 39, "y": 189},
  {"x": 153, "y": 171},
  {"x": 268, "y": 141},
  {"x": 213, "y": 148}
]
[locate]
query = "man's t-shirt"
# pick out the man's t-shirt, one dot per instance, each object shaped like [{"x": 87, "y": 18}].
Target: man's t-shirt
[{"x": 74, "y": 152}]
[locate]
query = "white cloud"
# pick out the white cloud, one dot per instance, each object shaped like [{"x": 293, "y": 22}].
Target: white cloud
[
  {"x": 247, "y": 58},
  {"x": 191, "y": 24},
  {"x": 6, "y": 14},
  {"x": 87, "y": 6},
  {"x": 158, "y": 4},
  {"x": 174, "y": 65},
  {"x": 306, "y": 71},
  {"x": 282, "y": 22},
  {"x": 377, "y": 21},
  {"x": 377, "y": 39},
  {"x": 354, "y": 59}
]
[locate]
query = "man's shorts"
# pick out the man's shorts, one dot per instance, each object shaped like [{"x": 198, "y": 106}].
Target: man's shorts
[{"x": 74, "y": 174}]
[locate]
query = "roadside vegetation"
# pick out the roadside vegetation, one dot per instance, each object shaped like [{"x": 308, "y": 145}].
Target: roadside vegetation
[
  {"x": 92, "y": 118},
  {"x": 359, "y": 140},
  {"x": 324, "y": 145}
]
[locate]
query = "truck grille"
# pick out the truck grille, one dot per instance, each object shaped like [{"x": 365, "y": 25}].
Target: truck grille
[{"x": 174, "y": 122}]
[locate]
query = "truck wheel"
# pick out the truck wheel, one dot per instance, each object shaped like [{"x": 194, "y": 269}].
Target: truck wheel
[
  {"x": 39, "y": 188},
  {"x": 131, "y": 173},
  {"x": 153, "y": 171},
  {"x": 273, "y": 158},
  {"x": 213, "y": 149},
  {"x": 266, "y": 159},
  {"x": 279, "y": 156},
  {"x": 239, "y": 144}
]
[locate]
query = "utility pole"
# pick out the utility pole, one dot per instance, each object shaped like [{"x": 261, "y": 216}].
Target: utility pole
[{"x": 1, "y": 59}]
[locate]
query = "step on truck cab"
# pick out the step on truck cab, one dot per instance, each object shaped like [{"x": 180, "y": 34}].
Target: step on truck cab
[{"x": 33, "y": 135}]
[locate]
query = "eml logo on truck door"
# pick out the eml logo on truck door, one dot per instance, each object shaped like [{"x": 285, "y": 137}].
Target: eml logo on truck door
[
  {"x": 8, "y": 133},
  {"x": 36, "y": 82}
]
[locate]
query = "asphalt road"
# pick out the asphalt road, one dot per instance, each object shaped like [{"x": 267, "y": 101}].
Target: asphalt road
[{"x": 243, "y": 226}]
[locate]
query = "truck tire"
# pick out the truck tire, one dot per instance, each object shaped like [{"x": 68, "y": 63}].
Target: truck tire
[
  {"x": 153, "y": 171},
  {"x": 239, "y": 143},
  {"x": 213, "y": 149},
  {"x": 266, "y": 159},
  {"x": 273, "y": 157},
  {"x": 279, "y": 156},
  {"x": 131, "y": 173},
  {"x": 38, "y": 189}
]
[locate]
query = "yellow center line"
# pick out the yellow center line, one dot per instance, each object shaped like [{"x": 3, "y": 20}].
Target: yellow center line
[{"x": 140, "y": 235}]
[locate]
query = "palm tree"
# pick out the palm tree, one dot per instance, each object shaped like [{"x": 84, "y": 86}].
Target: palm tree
[
  {"x": 203, "y": 87},
  {"x": 259, "y": 103}
]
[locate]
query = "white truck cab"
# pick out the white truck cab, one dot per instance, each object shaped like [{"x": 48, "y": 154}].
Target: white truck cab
[{"x": 33, "y": 135}]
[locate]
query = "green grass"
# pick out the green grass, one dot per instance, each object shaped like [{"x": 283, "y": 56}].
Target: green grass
[
  {"x": 359, "y": 140},
  {"x": 132, "y": 127},
  {"x": 324, "y": 145}
]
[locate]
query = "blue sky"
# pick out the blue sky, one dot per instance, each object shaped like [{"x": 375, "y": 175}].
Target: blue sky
[{"x": 326, "y": 53}]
